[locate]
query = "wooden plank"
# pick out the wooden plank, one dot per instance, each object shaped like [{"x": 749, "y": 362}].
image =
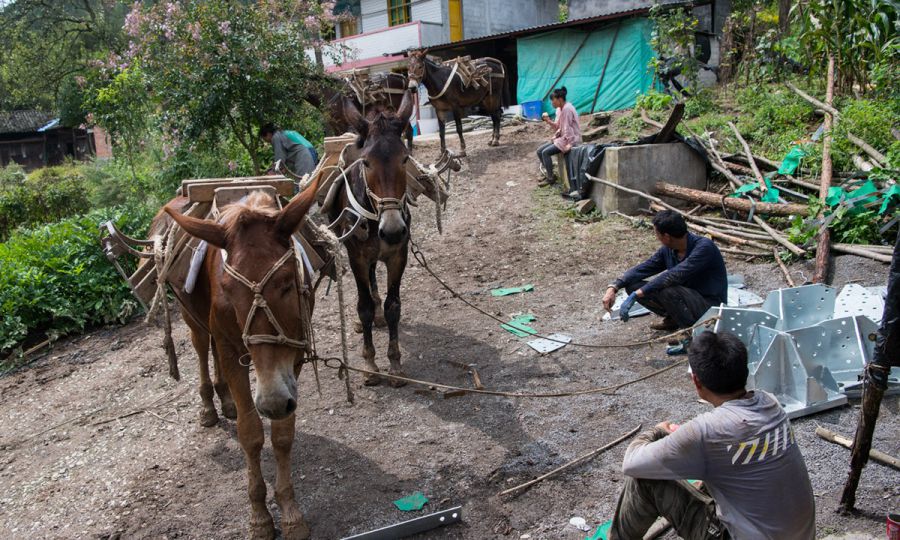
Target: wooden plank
[
  {"x": 232, "y": 194},
  {"x": 714, "y": 200},
  {"x": 205, "y": 191}
]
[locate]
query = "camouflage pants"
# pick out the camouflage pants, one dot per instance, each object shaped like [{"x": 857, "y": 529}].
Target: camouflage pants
[{"x": 690, "y": 511}]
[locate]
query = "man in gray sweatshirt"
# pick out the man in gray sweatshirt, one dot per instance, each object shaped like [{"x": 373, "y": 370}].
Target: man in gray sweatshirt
[{"x": 755, "y": 483}]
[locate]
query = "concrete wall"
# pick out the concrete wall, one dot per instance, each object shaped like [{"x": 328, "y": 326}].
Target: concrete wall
[
  {"x": 483, "y": 17},
  {"x": 640, "y": 167}
]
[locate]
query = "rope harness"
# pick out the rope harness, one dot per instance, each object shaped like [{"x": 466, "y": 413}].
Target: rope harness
[{"x": 259, "y": 303}]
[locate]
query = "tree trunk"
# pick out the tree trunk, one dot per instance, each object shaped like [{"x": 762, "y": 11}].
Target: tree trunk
[
  {"x": 732, "y": 203},
  {"x": 784, "y": 14},
  {"x": 823, "y": 244}
]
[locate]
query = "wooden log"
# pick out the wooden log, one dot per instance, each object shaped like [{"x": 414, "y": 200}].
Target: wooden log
[
  {"x": 743, "y": 252},
  {"x": 801, "y": 183},
  {"x": 823, "y": 240},
  {"x": 732, "y": 203},
  {"x": 861, "y": 163},
  {"x": 869, "y": 247},
  {"x": 730, "y": 238},
  {"x": 779, "y": 238},
  {"x": 784, "y": 269},
  {"x": 844, "y": 248},
  {"x": 758, "y": 159},
  {"x": 875, "y": 455},
  {"x": 879, "y": 158},
  {"x": 824, "y": 106}
]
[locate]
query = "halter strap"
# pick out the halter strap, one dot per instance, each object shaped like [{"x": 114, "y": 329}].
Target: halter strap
[{"x": 259, "y": 302}]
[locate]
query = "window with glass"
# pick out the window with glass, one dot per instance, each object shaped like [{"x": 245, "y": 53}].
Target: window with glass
[
  {"x": 348, "y": 27},
  {"x": 399, "y": 12}
]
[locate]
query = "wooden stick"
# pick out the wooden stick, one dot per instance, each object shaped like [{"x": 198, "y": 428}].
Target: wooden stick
[
  {"x": 779, "y": 238},
  {"x": 876, "y": 455},
  {"x": 824, "y": 106},
  {"x": 870, "y": 247},
  {"x": 801, "y": 183},
  {"x": 735, "y": 251},
  {"x": 879, "y": 158},
  {"x": 647, "y": 120},
  {"x": 749, "y": 154},
  {"x": 824, "y": 236},
  {"x": 575, "y": 461},
  {"x": 784, "y": 270},
  {"x": 743, "y": 205},
  {"x": 845, "y": 248},
  {"x": 715, "y": 233}
]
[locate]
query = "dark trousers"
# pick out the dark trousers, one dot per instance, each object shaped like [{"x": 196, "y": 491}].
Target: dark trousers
[
  {"x": 545, "y": 155},
  {"x": 691, "y": 511},
  {"x": 683, "y": 305}
]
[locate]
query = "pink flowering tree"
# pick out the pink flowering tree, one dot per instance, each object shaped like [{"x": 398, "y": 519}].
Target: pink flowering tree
[{"x": 219, "y": 67}]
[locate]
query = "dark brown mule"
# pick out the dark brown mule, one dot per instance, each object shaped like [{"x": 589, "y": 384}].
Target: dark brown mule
[
  {"x": 377, "y": 185},
  {"x": 447, "y": 94},
  {"x": 197, "y": 302},
  {"x": 258, "y": 312},
  {"x": 333, "y": 92}
]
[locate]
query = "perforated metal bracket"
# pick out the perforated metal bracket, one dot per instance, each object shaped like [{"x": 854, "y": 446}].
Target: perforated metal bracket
[{"x": 800, "y": 307}]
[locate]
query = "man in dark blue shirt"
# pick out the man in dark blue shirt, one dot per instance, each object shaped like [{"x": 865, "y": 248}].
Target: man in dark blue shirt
[{"x": 690, "y": 276}]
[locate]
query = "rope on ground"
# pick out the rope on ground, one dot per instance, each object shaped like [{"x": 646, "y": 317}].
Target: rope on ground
[
  {"x": 334, "y": 245},
  {"x": 604, "y": 390},
  {"x": 420, "y": 258}
]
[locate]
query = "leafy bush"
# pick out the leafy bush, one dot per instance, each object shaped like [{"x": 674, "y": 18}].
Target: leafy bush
[
  {"x": 55, "y": 279},
  {"x": 870, "y": 120},
  {"x": 653, "y": 100},
  {"x": 46, "y": 195}
]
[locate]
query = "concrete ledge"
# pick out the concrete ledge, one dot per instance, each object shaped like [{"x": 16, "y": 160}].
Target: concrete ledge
[{"x": 640, "y": 167}]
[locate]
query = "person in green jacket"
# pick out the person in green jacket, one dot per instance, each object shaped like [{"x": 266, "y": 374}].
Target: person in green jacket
[{"x": 291, "y": 148}]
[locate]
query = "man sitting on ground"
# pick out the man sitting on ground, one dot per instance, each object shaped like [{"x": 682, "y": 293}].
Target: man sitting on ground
[
  {"x": 691, "y": 276},
  {"x": 744, "y": 451}
]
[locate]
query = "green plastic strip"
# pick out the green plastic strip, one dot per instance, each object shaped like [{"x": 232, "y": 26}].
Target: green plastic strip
[
  {"x": 411, "y": 502},
  {"x": 512, "y": 290}
]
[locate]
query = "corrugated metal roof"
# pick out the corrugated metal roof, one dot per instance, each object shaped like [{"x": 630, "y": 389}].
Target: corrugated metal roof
[
  {"x": 542, "y": 28},
  {"x": 23, "y": 121},
  {"x": 558, "y": 25}
]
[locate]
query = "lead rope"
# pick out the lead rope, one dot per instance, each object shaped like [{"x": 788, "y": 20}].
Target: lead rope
[
  {"x": 335, "y": 246},
  {"x": 162, "y": 260}
]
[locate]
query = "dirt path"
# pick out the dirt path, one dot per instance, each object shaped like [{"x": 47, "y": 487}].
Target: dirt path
[{"x": 97, "y": 442}]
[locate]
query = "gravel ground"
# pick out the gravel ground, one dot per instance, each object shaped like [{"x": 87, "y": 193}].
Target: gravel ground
[{"x": 97, "y": 441}]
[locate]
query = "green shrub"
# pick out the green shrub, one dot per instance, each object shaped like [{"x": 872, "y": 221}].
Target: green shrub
[
  {"x": 869, "y": 120},
  {"x": 653, "y": 100},
  {"x": 55, "y": 279},
  {"x": 46, "y": 195},
  {"x": 702, "y": 102}
]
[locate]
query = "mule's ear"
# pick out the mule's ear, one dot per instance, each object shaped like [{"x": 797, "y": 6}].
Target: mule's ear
[
  {"x": 406, "y": 106},
  {"x": 289, "y": 219},
  {"x": 203, "y": 229},
  {"x": 355, "y": 119}
]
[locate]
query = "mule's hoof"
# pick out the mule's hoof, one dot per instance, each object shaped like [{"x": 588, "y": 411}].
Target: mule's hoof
[
  {"x": 357, "y": 326},
  {"x": 208, "y": 417},
  {"x": 263, "y": 529},
  {"x": 380, "y": 321},
  {"x": 229, "y": 410},
  {"x": 298, "y": 530},
  {"x": 371, "y": 380},
  {"x": 396, "y": 383},
  {"x": 462, "y": 153}
]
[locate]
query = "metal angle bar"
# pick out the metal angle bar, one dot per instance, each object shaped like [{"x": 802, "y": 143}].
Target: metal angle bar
[{"x": 413, "y": 526}]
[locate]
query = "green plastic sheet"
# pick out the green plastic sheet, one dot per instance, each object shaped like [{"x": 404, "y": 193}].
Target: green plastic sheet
[
  {"x": 518, "y": 327},
  {"x": 541, "y": 59},
  {"x": 411, "y": 502},
  {"x": 791, "y": 161},
  {"x": 602, "y": 532},
  {"x": 891, "y": 193},
  {"x": 861, "y": 196},
  {"x": 770, "y": 195},
  {"x": 512, "y": 290}
]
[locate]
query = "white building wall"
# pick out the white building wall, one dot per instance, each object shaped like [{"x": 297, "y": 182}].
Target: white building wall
[
  {"x": 374, "y": 15},
  {"x": 372, "y": 45},
  {"x": 427, "y": 11}
]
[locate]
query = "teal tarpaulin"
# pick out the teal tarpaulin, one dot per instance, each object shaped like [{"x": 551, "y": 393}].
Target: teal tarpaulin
[{"x": 541, "y": 58}]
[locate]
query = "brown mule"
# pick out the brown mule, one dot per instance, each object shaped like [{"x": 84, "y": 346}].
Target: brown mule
[
  {"x": 375, "y": 188},
  {"x": 449, "y": 95},
  {"x": 258, "y": 311}
]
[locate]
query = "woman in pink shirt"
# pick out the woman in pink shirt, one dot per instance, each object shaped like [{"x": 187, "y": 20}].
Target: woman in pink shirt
[{"x": 567, "y": 135}]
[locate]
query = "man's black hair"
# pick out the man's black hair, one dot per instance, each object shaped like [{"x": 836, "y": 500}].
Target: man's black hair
[
  {"x": 671, "y": 223},
  {"x": 267, "y": 128},
  {"x": 560, "y": 93},
  {"x": 719, "y": 360}
]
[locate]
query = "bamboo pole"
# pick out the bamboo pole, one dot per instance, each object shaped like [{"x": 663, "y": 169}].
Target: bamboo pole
[
  {"x": 824, "y": 236},
  {"x": 749, "y": 154},
  {"x": 824, "y": 106},
  {"x": 575, "y": 461},
  {"x": 779, "y": 238},
  {"x": 879, "y": 158},
  {"x": 784, "y": 269},
  {"x": 845, "y": 248},
  {"x": 875, "y": 455}
]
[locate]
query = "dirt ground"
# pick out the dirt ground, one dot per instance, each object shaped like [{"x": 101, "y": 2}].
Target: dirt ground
[{"x": 98, "y": 442}]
